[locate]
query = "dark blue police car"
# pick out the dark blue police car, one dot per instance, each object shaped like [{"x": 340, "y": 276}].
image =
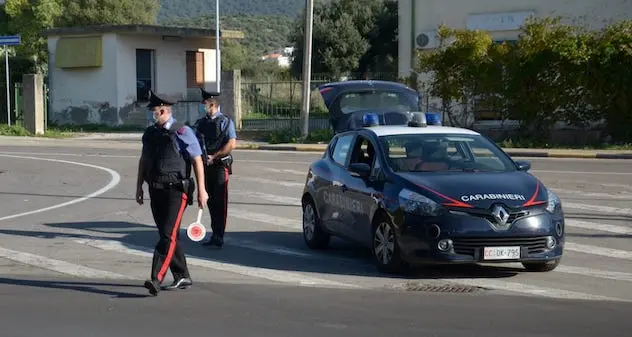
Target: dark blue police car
[{"x": 416, "y": 192}]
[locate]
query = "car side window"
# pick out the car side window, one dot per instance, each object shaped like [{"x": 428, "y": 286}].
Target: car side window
[
  {"x": 341, "y": 149},
  {"x": 363, "y": 152}
]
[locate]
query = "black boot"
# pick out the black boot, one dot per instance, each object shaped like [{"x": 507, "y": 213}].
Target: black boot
[{"x": 153, "y": 286}]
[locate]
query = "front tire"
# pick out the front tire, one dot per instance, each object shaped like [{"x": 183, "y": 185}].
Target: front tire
[
  {"x": 386, "y": 253},
  {"x": 313, "y": 234},
  {"x": 541, "y": 267}
]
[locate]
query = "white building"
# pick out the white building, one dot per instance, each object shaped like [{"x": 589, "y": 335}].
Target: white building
[
  {"x": 502, "y": 18},
  {"x": 101, "y": 74},
  {"x": 282, "y": 57}
]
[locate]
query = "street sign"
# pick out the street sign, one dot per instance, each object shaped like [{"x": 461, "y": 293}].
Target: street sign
[
  {"x": 10, "y": 40},
  {"x": 6, "y": 41}
]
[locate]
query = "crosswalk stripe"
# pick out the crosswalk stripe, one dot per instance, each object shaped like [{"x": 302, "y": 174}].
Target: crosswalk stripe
[
  {"x": 269, "y": 197},
  {"x": 596, "y": 250},
  {"x": 265, "y": 218},
  {"x": 605, "y": 274},
  {"x": 599, "y": 227},
  {"x": 530, "y": 289},
  {"x": 598, "y": 208},
  {"x": 269, "y": 181},
  {"x": 296, "y": 172},
  {"x": 269, "y": 274},
  {"x": 587, "y": 194},
  {"x": 59, "y": 266}
]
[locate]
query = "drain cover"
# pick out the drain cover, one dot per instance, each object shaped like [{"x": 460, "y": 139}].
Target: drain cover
[{"x": 440, "y": 288}]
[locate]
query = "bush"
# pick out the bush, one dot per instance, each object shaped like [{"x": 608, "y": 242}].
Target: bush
[{"x": 554, "y": 73}]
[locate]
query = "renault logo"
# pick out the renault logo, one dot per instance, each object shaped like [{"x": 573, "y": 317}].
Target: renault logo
[{"x": 500, "y": 215}]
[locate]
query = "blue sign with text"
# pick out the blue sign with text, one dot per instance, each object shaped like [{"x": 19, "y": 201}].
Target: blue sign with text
[{"x": 9, "y": 40}]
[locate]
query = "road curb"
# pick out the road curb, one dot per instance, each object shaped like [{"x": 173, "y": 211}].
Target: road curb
[{"x": 517, "y": 153}]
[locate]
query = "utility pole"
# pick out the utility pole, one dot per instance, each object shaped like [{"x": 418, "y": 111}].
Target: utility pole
[
  {"x": 218, "y": 64},
  {"x": 307, "y": 66}
]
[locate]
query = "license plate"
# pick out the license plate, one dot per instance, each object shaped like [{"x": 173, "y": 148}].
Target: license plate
[{"x": 501, "y": 253}]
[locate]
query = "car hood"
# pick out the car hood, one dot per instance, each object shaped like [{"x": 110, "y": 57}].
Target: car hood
[{"x": 480, "y": 189}]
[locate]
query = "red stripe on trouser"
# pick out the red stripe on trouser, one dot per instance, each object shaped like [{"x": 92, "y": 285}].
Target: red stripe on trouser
[
  {"x": 225, "y": 195},
  {"x": 174, "y": 238}
]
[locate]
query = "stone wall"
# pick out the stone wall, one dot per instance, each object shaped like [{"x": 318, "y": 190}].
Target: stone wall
[{"x": 137, "y": 114}]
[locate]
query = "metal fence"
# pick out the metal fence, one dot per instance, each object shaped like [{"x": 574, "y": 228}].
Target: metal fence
[
  {"x": 17, "y": 104},
  {"x": 274, "y": 102}
]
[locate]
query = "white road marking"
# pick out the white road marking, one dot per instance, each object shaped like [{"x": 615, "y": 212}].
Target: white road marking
[
  {"x": 596, "y": 250},
  {"x": 265, "y": 218},
  {"x": 600, "y": 173},
  {"x": 116, "y": 178},
  {"x": 57, "y": 265},
  {"x": 587, "y": 194},
  {"x": 268, "y": 181},
  {"x": 269, "y": 274},
  {"x": 596, "y": 273},
  {"x": 597, "y": 208},
  {"x": 599, "y": 227},
  {"x": 268, "y": 248},
  {"x": 270, "y": 197},
  {"x": 300, "y": 173},
  {"x": 68, "y": 154},
  {"x": 590, "y": 272},
  {"x": 530, "y": 290}
]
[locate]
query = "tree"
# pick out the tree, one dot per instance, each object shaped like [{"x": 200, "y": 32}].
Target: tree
[
  {"x": 30, "y": 18},
  {"x": 79, "y": 13},
  {"x": 545, "y": 74},
  {"x": 465, "y": 67},
  {"x": 609, "y": 78},
  {"x": 343, "y": 33},
  {"x": 383, "y": 41}
]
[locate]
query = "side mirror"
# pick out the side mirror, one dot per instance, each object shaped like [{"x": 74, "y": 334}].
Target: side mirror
[
  {"x": 361, "y": 170},
  {"x": 523, "y": 165}
]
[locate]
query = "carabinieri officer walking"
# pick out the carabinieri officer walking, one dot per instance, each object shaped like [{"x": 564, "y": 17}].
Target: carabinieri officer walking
[
  {"x": 219, "y": 139},
  {"x": 169, "y": 150}
]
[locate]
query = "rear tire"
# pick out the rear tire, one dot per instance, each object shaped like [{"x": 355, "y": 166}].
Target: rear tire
[
  {"x": 385, "y": 250},
  {"x": 541, "y": 267},
  {"x": 313, "y": 234}
]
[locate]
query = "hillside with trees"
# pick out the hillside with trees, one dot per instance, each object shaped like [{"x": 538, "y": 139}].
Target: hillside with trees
[{"x": 195, "y": 8}]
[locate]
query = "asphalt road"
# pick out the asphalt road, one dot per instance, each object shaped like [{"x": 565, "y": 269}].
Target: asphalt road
[{"x": 75, "y": 248}]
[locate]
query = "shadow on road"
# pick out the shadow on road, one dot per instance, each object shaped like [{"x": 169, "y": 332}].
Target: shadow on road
[
  {"x": 283, "y": 251},
  {"x": 95, "y": 288}
]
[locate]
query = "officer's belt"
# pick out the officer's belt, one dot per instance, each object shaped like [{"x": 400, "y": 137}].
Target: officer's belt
[{"x": 165, "y": 186}]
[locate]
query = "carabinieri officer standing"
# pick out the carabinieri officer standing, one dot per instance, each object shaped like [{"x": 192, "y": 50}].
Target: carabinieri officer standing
[
  {"x": 169, "y": 150},
  {"x": 219, "y": 139}
]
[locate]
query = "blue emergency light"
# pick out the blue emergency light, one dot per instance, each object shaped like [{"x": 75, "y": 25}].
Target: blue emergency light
[
  {"x": 433, "y": 118},
  {"x": 370, "y": 120}
]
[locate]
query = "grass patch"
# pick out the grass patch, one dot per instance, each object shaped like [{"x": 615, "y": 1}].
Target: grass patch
[
  {"x": 293, "y": 136},
  {"x": 534, "y": 144},
  {"x": 20, "y": 131},
  {"x": 65, "y": 131}
]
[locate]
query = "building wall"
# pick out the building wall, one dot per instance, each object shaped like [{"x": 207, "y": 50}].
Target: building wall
[
  {"x": 498, "y": 16},
  {"x": 80, "y": 94},
  {"x": 108, "y": 94}
]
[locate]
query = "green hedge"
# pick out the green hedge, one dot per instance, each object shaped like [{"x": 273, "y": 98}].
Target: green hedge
[{"x": 554, "y": 73}]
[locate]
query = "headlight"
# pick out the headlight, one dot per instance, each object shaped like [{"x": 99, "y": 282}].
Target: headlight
[
  {"x": 416, "y": 203},
  {"x": 553, "y": 202}
]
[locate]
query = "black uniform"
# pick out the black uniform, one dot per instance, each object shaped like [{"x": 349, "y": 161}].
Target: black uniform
[
  {"x": 167, "y": 172},
  {"x": 215, "y": 134}
]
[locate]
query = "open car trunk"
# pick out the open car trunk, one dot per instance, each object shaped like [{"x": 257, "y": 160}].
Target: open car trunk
[{"x": 347, "y": 102}]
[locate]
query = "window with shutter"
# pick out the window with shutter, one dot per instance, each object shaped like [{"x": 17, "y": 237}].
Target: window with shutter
[{"x": 195, "y": 69}]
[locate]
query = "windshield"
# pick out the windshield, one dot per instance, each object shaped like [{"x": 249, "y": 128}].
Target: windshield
[
  {"x": 444, "y": 152},
  {"x": 378, "y": 100}
]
